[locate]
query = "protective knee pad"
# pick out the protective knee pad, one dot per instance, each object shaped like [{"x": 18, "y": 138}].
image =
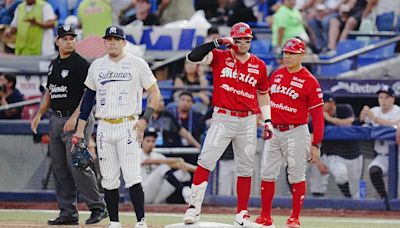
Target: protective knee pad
[{"x": 375, "y": 172}]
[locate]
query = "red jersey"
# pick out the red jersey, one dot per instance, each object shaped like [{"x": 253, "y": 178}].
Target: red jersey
[
  {"x": 236, "y": 83},
  {"x": 293, "y": 95}
]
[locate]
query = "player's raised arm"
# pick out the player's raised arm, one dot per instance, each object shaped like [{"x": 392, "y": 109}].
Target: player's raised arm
[{"x": 203, "y": 54}]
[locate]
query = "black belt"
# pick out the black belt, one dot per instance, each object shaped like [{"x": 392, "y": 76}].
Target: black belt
[{"x": 62, "y": 113}]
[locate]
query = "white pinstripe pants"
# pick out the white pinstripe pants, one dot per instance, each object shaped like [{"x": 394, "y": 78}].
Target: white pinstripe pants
[{"x": 118, "y": 150}]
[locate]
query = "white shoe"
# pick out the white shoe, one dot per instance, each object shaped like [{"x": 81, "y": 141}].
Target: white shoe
[
  {"x": 191, "y": 216},
  {"x": 141, "y": 224},
  {"x": 186, "y": 194},
  {"x": 114, "y": 225},
  {"x": 242, "y": 219}
]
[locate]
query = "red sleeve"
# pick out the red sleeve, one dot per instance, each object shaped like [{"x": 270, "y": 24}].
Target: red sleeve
[
  {"x": 315, "y": 94},
  {"x": 263, "y": 85},
  {"x": 317, "y": 124},
  {"x": 216, "y": 56}
]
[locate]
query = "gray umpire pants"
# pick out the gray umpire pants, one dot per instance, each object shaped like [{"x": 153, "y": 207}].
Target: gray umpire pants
[{"x": 67, "y": 178}]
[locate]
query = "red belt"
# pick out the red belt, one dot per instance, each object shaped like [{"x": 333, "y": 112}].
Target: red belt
[
  {"x": 282, "y": 127},
  {"x": 234, "y": 113}
]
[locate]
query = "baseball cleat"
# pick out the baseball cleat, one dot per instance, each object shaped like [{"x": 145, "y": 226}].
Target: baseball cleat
[
  {"x": 242, "y": 219},
  {"x": 141, "y": 224},
  {"x": 191, "y": 216},
  {"x": 114, "y": 225},
  {"x": 265, "y": 222},
  {"x": 292, "y": 223}
]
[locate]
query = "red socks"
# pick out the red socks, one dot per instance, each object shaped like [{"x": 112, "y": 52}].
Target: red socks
[
  {"x": 299, "y": 190},
  {"x": 243, "y": 187},
  {"x": 267, "y": 194},
  {"x": 200, "y": 175}
]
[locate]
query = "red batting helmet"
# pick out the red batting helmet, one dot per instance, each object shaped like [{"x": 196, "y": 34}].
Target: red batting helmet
[
  {"x": 240, "y": 30},
  {"x": 294, "y": 45}
]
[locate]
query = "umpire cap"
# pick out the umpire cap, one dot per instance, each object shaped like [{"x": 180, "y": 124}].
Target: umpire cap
[
  {"x": 150, "y": 132},
  {"x": 115, "y": 32},
  {"x": 65, "y": 30}
]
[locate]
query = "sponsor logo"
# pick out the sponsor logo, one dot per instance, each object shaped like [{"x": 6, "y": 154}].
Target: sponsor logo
[
  {"x": 253, "y": 65},
  {"x": 58, "y": 91},
  {"x": 283, "y": 107},
  {"x": 64, "y": 73},
  {"x": 298, "y": 79},
  {"x": 277, "y": 80},
  {"x": 229, "y": 73},
  {"x": 254, "y": 71},
  {"x": 109, "y": 76},
  {"x": 113, "y": 30},
  {"x": 296, "y": 84},
  {"x": 284, "y": 90},
  {"x": 355, "y": 87},
  {"x": 232, "y": 89},
  {"x": 229, "y": 64}
]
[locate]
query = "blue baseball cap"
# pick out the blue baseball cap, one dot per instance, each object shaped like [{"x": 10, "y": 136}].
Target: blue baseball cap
[
  {"x": 115, "y": 32},
  {"x": 329, "y": 97},
  {"x": 386, "y": 89}
]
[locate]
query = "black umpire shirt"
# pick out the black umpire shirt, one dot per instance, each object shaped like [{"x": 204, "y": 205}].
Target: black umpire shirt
[{"x": 65, "y": 82}]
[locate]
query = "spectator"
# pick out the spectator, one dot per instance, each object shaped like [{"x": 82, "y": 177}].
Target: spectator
[
  {"x": 143, "y": 13},
  {"x": 33, "y": 23},
  {"x": 386, "y": 13},
  {"x": 174, "y": 10},
  {"x": 95, "y": 17},
  {"x": 318, "y": 22},
  {"x": 193, "y": 76},
  {"x": 187, "y": 117},
  {"x": 287, "y": 23},
  {"x": 386, "y": 114},
  {"x": 161, "y": 175},
  {"x": 60, "y": 8},
  {"x": 8, "y": 95},
  {"x": 169, "y": 129},
  {"x": 237, "y": 11},
  {"x": 342, "y": 159},
  {"x": 350, "y": 13},
  {"x": 7, "y": 12}
]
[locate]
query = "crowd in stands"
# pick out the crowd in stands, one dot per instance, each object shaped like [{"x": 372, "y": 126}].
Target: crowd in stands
[{"x": 29, "y": 24}]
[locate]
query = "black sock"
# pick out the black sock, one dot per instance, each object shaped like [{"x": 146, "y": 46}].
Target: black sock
[
  {"x": 169, "y": 176},
  {"x": 112, "y": 199},
  {"x": 377, "y": 180},
  {"x": 345, "y": 189},
  {"x": 137, "y": 197}
]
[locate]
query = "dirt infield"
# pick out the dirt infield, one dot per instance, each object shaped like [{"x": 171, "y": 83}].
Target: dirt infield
[{"x": 180, "y": 208}]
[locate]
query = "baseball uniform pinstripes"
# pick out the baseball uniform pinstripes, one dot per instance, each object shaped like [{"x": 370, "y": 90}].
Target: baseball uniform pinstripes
[
  {"x": 119, "y": 88},
  {"x": 119, "y": 85},
  {"x": 120, "y": 138}
]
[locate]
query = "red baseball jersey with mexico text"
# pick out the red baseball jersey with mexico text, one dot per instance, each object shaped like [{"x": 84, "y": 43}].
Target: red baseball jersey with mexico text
[
  {"x": 293, "y": 95},
  {"x": 235, "y": 83}
]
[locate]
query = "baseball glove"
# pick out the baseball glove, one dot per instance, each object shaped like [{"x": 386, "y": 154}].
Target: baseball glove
[{"x": 81, "y": 157}]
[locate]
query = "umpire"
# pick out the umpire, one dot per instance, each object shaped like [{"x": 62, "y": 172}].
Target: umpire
[{"x": 65, "y": 88}]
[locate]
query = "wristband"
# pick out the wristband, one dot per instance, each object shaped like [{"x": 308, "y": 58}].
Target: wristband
[
  {"x": 148, "y": 113},
  {"x": 216, "y": 44},
  {"x": 317, "y": 145}
]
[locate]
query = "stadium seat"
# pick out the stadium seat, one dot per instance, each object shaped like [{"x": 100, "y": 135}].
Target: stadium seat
[
  {"x": 378, "y": 54},
  {"x": 260, "y": 47},
  {"x": 332, "y": 70},
  {"x": 344, "y": 47},
  {"x": 166, "y": 93}
]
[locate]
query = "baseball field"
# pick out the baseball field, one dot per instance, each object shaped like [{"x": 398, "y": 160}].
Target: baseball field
[{"x": 160, "y": 215}]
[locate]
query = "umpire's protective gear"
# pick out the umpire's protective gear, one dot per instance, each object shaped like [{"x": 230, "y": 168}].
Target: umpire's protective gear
[{"x": 81, "y": 157}]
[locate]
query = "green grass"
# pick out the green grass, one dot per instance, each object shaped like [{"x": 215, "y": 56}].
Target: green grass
[{"x": 38, "y": 217}]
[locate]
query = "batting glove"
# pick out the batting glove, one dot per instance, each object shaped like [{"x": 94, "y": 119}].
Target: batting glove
[
  {"x": 268, "y": 131},
  {"x": 228, "y": 41}
]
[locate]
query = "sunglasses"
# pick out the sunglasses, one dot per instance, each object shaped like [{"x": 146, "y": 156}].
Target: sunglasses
[{"x": 239, "y": 41}]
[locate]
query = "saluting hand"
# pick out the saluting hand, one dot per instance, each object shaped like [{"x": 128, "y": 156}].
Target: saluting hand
[{"x": 139, "y": 127}]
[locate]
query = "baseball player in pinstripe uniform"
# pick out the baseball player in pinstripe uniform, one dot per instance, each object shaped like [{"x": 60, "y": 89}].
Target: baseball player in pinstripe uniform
[
  {"x": 240, "y": 92},
  {"x": 295, "y": 93},
  {"x": 117, "y": 81}
]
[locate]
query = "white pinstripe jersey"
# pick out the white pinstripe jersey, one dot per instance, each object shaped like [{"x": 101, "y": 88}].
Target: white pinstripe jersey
[{"x": 119, "y": 86}]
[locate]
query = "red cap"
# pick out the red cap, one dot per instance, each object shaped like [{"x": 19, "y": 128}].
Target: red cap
[
  {"x": 294, "y": 45},
  {"x": 240, "y": 30}
]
